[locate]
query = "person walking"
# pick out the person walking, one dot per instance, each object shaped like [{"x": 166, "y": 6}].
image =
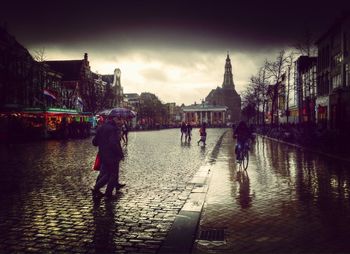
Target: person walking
[
  {"x": 188, "y": 132},
  {"x": 203, "y": 134},
  {"x": 183, "y": 130},
  {"x": 107, "y": 139},
  {"x": 125, "y": 131}
]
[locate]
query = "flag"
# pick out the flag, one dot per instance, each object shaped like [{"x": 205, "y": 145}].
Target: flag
[
  {"x": 79, "y": 104},
  {"x": 50, "y": 94},
  {"x": 80, "y": 101}
]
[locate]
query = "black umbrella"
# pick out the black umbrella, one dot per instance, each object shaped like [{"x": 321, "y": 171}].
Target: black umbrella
[{"x": 121, "y": 112}]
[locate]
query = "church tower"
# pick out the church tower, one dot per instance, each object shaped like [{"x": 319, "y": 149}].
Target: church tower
[
  {"x": 228, "y": 77},
  {"x": 227, "y": 94},
  {"x": 118, "y": 89}
]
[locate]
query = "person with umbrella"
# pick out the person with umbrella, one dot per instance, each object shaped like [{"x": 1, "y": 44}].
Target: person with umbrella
[{"x": 107, "y": 139}]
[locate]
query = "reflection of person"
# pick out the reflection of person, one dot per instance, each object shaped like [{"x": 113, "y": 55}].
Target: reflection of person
[
  {"x": 107, "y": 139},
  {"x": 203, "y": 134},
  {"x": 244, "y": 197},
  {"x": 105, "y": 228}
]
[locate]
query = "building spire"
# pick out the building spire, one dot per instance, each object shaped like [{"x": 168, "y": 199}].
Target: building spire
[{"x": 228, "y": 77}]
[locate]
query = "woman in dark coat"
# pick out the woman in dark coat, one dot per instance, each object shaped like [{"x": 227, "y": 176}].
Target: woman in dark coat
[{"x": 107, "y": 139}]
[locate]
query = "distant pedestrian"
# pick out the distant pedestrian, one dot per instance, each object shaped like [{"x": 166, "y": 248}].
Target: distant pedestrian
[
  {"x": 203, "y": 134},
  {"x": 107, "y": 139},
  {"x": 188, "y": 132},
  {"x": 183, "y": 130},
  {"x": 125, "y": 131}
]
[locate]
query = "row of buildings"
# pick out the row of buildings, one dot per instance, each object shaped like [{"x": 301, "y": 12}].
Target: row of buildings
[
  {"x": 316, "y": 89},
  {"x": 61, "y": 90},
  {"x": 70, "y": 84}
]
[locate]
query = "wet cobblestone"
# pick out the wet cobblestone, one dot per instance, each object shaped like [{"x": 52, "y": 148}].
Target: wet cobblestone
[{"x": 46, "y": 204}]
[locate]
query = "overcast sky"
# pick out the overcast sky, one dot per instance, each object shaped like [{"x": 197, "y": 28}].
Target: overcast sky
[{"x": 175, "y": 49}]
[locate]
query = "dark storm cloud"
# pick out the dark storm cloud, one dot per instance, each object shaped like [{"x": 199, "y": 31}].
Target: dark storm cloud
[
  {"x": 176, "y": 49},
  {"x": 182, "y": 24}
]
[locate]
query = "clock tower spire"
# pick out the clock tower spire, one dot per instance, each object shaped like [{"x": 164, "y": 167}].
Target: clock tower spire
[{"x": 228, "y": 77}]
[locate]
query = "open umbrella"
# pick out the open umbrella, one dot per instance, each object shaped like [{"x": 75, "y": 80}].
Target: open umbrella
[
  {"x": 104, "y": 112},
  {"x": 122, "y": 112}
]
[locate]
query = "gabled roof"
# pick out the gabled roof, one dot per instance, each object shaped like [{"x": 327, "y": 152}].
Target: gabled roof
[
  {"x": 108, "y": 78},
  {"x": 69, "y": 68}
]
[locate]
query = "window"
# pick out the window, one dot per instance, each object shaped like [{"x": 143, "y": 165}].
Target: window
[
  {"x": 336, "y": 81},
  {"x": 337, "y": 59}
]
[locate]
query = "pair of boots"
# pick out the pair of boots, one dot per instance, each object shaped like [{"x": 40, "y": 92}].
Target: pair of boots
[{"x": 98, "y": 194}]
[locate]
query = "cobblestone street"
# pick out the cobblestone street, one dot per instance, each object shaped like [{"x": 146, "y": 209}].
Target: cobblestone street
[
  {"x": 46, "y": 204},
  {"x": 289, "y": 200}
]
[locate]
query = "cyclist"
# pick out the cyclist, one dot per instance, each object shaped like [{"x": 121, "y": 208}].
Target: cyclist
[{"x": 242, "y": 133}]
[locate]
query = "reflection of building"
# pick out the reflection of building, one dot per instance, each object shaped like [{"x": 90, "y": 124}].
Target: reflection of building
[
  {"x": 227, "y": 95},
  {"x": 214, "y": 115},
  {"x": 333, "y": 75}
]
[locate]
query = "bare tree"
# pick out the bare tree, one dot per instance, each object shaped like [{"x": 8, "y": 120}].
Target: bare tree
[
  {"x": 275, "y": 70},
  {"x": 261, "y": 87},
  {"x": 39, "y": 55}
]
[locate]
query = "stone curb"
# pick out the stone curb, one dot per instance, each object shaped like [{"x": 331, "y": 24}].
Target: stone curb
[{"x": 183, "y": 231}]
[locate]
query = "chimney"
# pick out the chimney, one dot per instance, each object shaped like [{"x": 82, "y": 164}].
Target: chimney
[{"x": 85, "y": 57}]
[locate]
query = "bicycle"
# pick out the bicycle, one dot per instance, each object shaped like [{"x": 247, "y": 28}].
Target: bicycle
[{"x": 243, "y": 156}]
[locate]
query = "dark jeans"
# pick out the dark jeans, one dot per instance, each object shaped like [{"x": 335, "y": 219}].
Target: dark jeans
[
  {"x": 182, "y": 134},
  {"x": 125, "y": 137},
  {"x": 108, "y": 175}
]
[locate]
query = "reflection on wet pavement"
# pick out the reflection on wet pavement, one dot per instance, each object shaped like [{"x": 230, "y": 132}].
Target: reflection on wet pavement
[{"x": 288, "y": 201}]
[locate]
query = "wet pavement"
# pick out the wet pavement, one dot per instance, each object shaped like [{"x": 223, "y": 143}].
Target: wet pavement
[
  {"x": 46, "y": 204},
  {"x": 288, "y": 201}
]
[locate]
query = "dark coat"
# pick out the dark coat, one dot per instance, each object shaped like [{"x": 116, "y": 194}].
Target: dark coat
[
  {"x": 107, "y": 139},
  {"x": 242, "y": 132}
]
